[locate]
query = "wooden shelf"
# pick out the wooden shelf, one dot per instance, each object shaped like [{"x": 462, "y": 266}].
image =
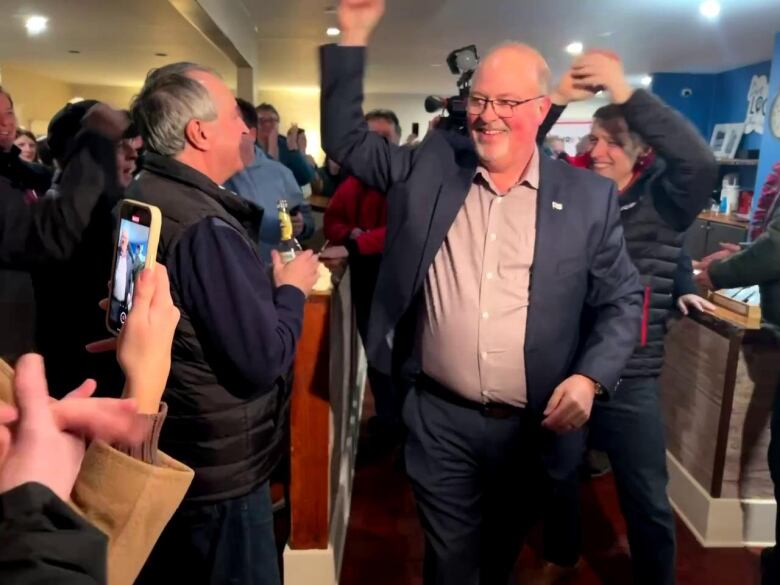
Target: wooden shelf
[
  {"x": 738, "y": 162},
  {"x": 729, "y": 219}
]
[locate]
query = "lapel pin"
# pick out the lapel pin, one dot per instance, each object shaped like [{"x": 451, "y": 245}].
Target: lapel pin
[{"x": 557, "y": 206}]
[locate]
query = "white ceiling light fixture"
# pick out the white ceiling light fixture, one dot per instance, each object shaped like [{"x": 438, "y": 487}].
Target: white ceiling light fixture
[
  {"x": 710, "y": 9},
  {"x": 575, "y": 48},
  {"x": 35, "y": 25},
  {"x": 647, "y": 80},
  {"x": 333, "y": 32}
]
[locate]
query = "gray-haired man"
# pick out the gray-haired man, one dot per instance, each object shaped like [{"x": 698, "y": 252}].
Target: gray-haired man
[{"x": 236, "y": 339}]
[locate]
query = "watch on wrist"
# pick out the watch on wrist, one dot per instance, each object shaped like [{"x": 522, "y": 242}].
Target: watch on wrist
[{"x": 601, "y": 391}]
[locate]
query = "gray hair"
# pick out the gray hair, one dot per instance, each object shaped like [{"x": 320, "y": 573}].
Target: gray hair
[
  {"x": 542, "y": 70},
  {"x": 168, "y": 101}
]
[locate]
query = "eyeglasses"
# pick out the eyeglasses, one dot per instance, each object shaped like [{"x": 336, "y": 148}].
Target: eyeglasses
[
  {"x": 268, "y": 120},
  {"x": 503, "y": 108}
]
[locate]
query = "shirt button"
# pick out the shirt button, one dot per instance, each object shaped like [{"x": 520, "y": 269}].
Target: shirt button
[
  {"x": 484, "y": 355},
  {"x": 485, "y": 315},
  {"x": 489, "y": 276},
  {"x": 492, "y": 237},
  {"x": 500, "y": 200}
]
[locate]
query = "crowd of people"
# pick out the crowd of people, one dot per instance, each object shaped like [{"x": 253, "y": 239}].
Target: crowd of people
[{"x": 512, "y": 299}]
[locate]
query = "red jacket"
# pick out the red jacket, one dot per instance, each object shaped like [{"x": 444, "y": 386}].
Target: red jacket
[{"x": 355, "y": 206}]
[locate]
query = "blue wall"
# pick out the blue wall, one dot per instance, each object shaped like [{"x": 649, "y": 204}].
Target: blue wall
[
  {"x": 770, "y": 144},
  {"x": 730, "y": 99},
  {"x": 698, "y": 107},
  {"x": 718, "y": 98}
]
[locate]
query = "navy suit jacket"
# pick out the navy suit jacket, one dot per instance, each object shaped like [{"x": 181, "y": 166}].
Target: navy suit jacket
[{"x": 580, "y": 259}]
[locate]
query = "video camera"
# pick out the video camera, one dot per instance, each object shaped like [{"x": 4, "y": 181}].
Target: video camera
[{"x": 461, "y": 62}]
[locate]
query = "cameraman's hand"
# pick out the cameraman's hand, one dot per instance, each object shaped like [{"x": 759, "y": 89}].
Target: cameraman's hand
[
  {"x": 144, "y": 345},
  {"x": 301, "y": 273},
  {"x": 358, "y": 19}
]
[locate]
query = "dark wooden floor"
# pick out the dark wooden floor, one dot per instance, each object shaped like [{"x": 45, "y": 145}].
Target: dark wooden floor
[{"x": 385, "y": 542}]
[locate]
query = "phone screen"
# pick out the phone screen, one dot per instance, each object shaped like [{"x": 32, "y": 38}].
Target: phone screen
[
  {"x": 132, "y": 246},
  {"x": 416, "y": 129}
]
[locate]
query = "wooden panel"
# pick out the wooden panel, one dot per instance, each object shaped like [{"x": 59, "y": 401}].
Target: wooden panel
[
  {"x": 719, "y": 233},
  {"x": 746, "y": 473},
  {"x": 310, "y": 430},
  {"x": 696, "y": 239},
  {"x": 692, "y": 384},
  {"x": 727, "y": 402}
]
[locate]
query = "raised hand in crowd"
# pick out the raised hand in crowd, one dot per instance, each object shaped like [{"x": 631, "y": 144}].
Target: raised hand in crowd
[
  {"x": 601, "y": 70},
  {"x": 144, "y": 345},
  {"x": 106, "y": 121},
  {"x": 569, "y": 91},
  {"x": 293, "y": 137},
  {"x": 358, "y": 19}
]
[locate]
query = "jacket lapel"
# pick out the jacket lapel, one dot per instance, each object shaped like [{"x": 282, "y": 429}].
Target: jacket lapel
[
  {"x": 448, "y": 202},
  {"x": 549, "y": 210}
]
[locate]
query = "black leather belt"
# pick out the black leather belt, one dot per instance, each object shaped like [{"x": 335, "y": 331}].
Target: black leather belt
[{"x": 486, "y": 409}]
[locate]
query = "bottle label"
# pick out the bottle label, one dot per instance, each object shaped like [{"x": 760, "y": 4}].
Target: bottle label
[
  {"x": 285, "y": 224},
  {"x": 287, "y": 256}
]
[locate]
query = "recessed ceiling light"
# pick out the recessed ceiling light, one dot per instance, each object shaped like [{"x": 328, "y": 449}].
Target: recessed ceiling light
[
  {"x": 574, "y": 48},
  {"x": 647, "y": 80},
  {"x": 36, "y": 24},
  {"x": 333, "y": 32},
  {"x": 710, "y": 9},
  {"x": 161, "y": 54}
]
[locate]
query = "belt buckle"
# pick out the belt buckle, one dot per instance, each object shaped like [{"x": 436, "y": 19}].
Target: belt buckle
[{"x": 495, "y": 411}]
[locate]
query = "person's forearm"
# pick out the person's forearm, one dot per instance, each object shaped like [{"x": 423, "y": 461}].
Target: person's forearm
[
  {"x": 691, "y": 169},
  {"x": 615, "y": 294},
  {"x": 345, "y": 135},
  {"x": 684, "y": 283},
  {"x": 556, "y": 111},
  {"x": 223, "y": 285},
  {"x": 758, "y": 264},
  {"x": 50, "y": 229}
]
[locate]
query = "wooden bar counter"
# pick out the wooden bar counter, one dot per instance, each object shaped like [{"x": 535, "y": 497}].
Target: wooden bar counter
[
  {"x": 328, "y": 380},
  {"x": 717, "y": 387}
]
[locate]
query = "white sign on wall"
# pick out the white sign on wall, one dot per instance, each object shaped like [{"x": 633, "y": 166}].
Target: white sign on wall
[
  {"x": 757, "y": 97},
  {"x": 571, "y": 132}
]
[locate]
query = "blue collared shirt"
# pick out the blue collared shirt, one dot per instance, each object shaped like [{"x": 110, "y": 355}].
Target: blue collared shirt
[{"x": 264, "y": 182}]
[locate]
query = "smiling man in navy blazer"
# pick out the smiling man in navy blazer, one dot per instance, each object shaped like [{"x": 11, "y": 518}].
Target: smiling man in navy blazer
[{"x": 493, "y": 254}]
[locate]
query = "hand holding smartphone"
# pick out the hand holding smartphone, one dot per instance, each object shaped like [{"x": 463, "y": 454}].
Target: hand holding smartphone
[{"x": 136, "y": 248}]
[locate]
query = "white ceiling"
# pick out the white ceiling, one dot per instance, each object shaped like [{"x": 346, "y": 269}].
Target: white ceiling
[
  {"x": 118, "y": 39},
  {"x": 650, "y": 35}
]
